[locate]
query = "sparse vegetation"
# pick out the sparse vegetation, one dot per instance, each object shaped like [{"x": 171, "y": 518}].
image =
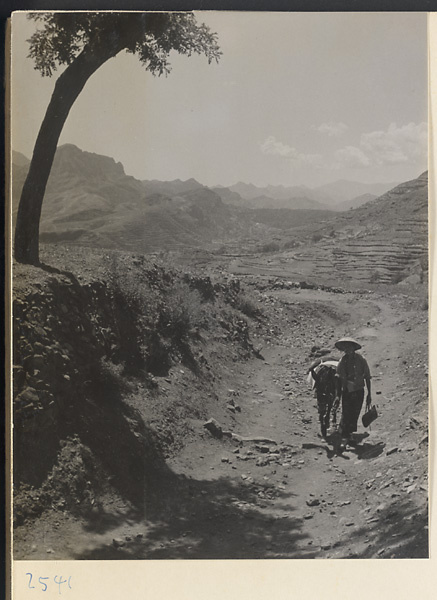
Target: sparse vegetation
[
  {"x": 269, "y": 247},
  {"x": 133, "y": 323},
  {"x": 291, "y": 244},
  {"x": 181, "y": 312},
  {"x": 192, "y": 334},
  {"x": 247, "y": 306}
]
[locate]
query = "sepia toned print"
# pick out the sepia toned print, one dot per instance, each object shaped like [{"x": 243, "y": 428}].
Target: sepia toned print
[{"x": 216, "y": 275}]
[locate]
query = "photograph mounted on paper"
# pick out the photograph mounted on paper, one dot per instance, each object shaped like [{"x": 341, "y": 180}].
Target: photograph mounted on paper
[{"x": 220, "y": 285}]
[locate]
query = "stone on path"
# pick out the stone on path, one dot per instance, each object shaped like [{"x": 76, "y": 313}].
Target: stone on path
[
  {"x": 313, "y": 502},
  {"x": 214, "y": 428}
]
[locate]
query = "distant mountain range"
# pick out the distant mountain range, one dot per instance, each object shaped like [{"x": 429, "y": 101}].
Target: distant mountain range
[
  {"x": 338, "y": 195},
  {"x": 278, "y": 196},
  {"x": 19, "y": 159},
  {"x": 171, "y": 188},
  {"x": 90, "y": 200},
  {"x": 343, "y": 191},
  {"x": 268, "y": 202}
]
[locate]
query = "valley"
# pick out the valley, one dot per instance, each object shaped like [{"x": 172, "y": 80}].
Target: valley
[
  {"x": 159, "y": 307},
  {"x": 170, "y": 489}
]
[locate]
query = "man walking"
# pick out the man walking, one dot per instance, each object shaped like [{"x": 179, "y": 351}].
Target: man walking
[{"x": 353, "y": 373}]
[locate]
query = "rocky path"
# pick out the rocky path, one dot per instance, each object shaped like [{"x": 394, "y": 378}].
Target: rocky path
[
  {"x": 292, "y": 497},
  {"x": 366, "y": 502}
]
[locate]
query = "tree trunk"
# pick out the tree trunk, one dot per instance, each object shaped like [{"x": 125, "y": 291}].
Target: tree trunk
[{"x": 68, "y": 86}]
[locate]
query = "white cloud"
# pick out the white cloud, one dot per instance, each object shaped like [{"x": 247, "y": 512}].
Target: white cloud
[
  {"x": 272, "y": 146},
  {"x": 396, "y": 145},
  {"x": 332, "y": 129},
  {"x": 351, "y": 156}
]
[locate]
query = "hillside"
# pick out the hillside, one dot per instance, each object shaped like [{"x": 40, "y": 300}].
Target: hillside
[
  {"x": 229, "y": 197},
  {"x": 290, "y": 203},
  {"x": 19, "y": 159},
  {"x": 171, "y": 188},
  {"x": 343, "y": 190},
  {"x": 278, "y": 196},
  {"x": 91, "y": 201},
  {"x": 384, "y": 240},
  {"x": 355, "y": 202},
  {"x": 122, "y": 362},
  {"x": 286, "y": 219},
  {"x": 161, "y": 403},
  {"x": 338, "y": 195}
]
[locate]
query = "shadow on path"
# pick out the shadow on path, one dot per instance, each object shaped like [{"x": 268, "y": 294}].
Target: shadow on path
[
  {"x": 368, "y": 451},
  {"x": 221, "y": 519},
  {"x": 400, "y": 532},
  {"x": 56, "y": 271}
]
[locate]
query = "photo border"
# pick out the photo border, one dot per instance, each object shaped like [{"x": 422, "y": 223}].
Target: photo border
[{"x": 299, "y": 579}]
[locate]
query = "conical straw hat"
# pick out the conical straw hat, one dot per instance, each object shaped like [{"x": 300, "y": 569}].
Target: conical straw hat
[{"x": 347, "y": 341}]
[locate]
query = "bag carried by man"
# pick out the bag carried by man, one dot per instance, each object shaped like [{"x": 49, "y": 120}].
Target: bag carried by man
[{"x": 369, "y": 416}]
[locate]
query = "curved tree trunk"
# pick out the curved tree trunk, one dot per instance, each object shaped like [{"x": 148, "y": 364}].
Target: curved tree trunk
[{"x": 68, "y": 86}]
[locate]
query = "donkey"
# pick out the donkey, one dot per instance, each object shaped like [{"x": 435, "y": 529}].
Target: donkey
[{"x": 325, "y": 383}]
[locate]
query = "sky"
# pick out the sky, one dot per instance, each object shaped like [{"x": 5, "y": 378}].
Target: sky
[{"x": 296, "y": 99}]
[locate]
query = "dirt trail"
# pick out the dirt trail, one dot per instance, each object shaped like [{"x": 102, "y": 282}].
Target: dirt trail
[
  {"x": 295, "y": 498},
  {"x": 362, "y": 503}
]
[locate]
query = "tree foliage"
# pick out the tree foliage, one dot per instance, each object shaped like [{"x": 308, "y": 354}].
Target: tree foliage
[
  {"x": 80, "y": 43},
  {"x": 150, "y": 36}
]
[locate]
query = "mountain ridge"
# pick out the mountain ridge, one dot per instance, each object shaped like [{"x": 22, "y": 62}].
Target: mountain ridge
[
  {"x": 345, "y": 190},
  {"x": 91, "y": 201}
]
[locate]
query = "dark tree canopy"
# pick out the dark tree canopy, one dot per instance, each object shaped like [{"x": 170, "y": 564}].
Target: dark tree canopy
[
  {"x": 151, "y": 36},
  {"x": 81, "y": 42}
]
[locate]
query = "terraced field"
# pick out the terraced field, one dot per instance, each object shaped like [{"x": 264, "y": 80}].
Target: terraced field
[{"x": 383, "y": 242}]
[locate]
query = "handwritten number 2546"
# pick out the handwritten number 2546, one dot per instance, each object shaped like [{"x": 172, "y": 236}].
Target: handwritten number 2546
[{"x": 57, "y": 579}]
